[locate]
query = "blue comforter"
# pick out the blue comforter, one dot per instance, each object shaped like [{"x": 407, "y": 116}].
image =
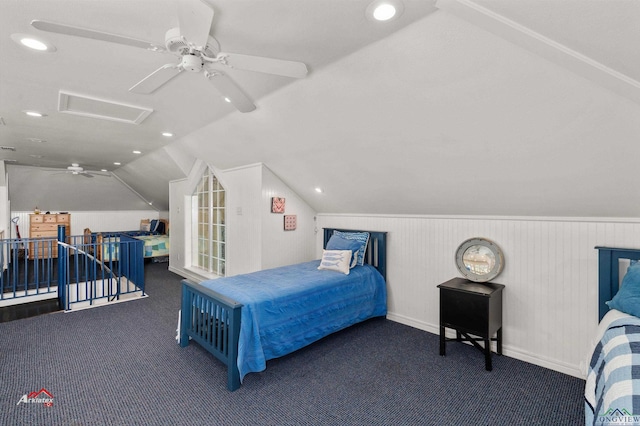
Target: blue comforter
[
  {"x": 292, "y": 306},
  {"x": 612, "y": 390}
]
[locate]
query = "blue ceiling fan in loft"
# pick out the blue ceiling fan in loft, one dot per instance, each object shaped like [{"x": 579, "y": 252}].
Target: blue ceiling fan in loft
[{"x": 196, "y": 50}]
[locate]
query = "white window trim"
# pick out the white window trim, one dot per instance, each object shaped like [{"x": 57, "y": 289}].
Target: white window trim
[{"x": 192, "y": 221}]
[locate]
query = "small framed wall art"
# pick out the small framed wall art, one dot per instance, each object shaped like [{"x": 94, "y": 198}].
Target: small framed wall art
[
  {"x": 290, "y": 222},
  {"x": 277, "y": 205}
]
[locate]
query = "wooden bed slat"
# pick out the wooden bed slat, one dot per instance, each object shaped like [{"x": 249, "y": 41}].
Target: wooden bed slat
[{"x": 204, "y": 311}]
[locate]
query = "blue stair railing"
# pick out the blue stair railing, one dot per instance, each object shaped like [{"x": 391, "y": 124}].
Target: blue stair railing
[{"x": 77, "y": 276}]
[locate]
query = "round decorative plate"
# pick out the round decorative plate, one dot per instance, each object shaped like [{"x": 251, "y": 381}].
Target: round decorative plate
[{"x": 479, "y": 259}]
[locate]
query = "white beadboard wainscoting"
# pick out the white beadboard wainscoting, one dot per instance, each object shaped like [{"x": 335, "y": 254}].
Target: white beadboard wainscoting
[
  {"x": 97, "y": 221},
  {"x": 550, "y": 311}
]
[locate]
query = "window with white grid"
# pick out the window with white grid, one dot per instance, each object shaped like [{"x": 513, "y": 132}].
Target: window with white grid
[{"x": 208, "y": 204}]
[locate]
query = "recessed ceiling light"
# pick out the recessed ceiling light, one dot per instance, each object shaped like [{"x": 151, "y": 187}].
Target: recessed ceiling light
[
  {"x": 116, "y": 163},
  {"x": 137, "y": 152},
  {"x": 319, "y": 190},
  {"x": 32, "y": 42},
  {"x": 38, "y": 140},
  {"x": 227, "y": 99},
  {"x": 384, "y": 10},
  {"x": 104, "y": 170},
  {"x": 167, "y": 134},
  {"x": 35, "y": 114}
]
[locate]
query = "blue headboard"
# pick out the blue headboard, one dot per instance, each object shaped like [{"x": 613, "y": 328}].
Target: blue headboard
[
  {"x": 609, "y": 274},
  {"x": 376, "y": 254}
]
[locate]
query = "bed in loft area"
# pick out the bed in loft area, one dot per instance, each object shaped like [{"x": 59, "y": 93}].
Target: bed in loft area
[
  {"x": 153, "y": 233},
  {"x": 612, "y": 389},
  {"x": 245, "y": 320}
]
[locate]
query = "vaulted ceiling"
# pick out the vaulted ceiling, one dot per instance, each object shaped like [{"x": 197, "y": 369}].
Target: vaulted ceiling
[{"x": 456, "y": 107}]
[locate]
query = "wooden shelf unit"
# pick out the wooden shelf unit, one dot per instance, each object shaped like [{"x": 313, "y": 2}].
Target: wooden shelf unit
[{"x": 46, "y": 226}]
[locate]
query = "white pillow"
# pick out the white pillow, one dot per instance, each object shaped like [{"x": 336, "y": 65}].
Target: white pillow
[{"x": 336, "y": 260}]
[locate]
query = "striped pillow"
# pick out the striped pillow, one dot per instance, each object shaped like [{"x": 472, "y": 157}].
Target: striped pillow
[{"x": 361, "y": 237}]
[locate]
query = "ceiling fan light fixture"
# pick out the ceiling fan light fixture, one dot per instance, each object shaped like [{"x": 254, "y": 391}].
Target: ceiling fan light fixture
[{"x": 191, "y": 63}]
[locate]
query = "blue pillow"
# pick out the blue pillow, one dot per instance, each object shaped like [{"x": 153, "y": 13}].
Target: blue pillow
[
  {"x": 337, "y": 242},
  {"x": 361, "y": 237},
  {"x": 627, "y": 299}
]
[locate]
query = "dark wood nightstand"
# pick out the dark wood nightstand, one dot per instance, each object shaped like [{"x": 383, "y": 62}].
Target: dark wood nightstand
[{"x": 472, "y": 309}]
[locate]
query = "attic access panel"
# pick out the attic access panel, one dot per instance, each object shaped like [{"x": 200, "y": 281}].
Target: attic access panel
[{"x": 87, "y": 106}]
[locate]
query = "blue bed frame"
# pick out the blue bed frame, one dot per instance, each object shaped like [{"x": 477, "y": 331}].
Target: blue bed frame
[
  {"x": 609, "y": 274},
  {"x": 219, "y": 332}
]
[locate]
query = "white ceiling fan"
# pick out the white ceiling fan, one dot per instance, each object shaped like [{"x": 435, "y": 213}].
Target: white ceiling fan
[
  {"x": 197, "y": 52},
  {"x": 76, "y": 169}
]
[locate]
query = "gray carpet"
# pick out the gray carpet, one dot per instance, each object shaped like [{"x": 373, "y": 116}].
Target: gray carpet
[{"x": 120, "y": 365}]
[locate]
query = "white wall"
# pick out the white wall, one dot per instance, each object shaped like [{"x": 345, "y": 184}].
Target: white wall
[
  {"x": 97, "y": 221},
  {"x": 5, "y": 224},
  {"x": 244, "y": 227},
  {"x": 177, "y": 192},
  {"x": 551, "y": 272},
  {"x": 52, "y": 190},
  {"x": 255, "y": 237},
  {"x": 281, "y": 247}
]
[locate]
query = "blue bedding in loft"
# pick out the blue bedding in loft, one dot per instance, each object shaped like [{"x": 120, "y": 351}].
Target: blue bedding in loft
[
  {"x": 292, "y": 306},
  {"x": 613, "y": 381}
]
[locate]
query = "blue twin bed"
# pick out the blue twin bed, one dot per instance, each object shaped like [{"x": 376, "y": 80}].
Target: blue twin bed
[
  {"x": 246, "y": 320},
  {"x": 612, "y": 389}
]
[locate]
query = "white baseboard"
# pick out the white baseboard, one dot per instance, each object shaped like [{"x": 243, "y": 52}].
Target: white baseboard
[
  {"x": 571, "y": 370},
  {"x": 31, "y": 297}
]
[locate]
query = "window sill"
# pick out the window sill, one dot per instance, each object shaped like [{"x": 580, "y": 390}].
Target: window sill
[{"x": 203, "y": 274}]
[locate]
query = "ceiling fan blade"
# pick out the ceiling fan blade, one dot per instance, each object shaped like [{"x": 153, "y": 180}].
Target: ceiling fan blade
[
  {"x": 230, "y": 91},
  {"x": 52, "y": 27},
  {"x": 153, "y": 81},
  {"x": 195, "y": 19},
  {"x": 265, "y": 65},
  {"x": 86, "y": 175},
  {"x": 94, "y": 173}
]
